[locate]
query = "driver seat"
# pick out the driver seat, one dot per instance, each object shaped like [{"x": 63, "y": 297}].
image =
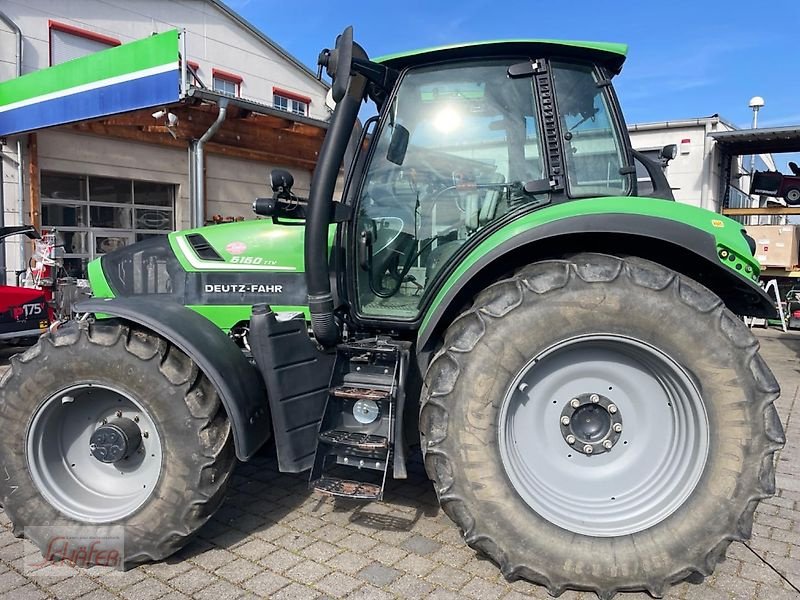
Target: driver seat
[{"x": 794, "y": 168}]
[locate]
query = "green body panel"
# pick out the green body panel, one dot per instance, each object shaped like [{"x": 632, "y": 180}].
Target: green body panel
[
  {"x": 256, "y": 245},
  {"x": 226, "y": 316},
  {"x": 251, "y": 250},
  {"x": 98, "y": 281},
  {"x": 610, "y": 47},
  {"x": 154, "y": 51},
  {"x": 727, "y": 232}
]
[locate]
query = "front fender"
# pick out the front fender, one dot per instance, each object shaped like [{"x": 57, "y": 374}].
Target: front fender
[
  {"x": 663, "y": 236},
  {"x": 237, "y": 382}
]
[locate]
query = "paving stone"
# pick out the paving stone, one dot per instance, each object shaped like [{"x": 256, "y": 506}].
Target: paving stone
[
  {"x": 416, "y": 565},
  {"x": 482, "y": 589},
  {"x": 379, "y": 575},
  {"x": 193, "y": 580},
  {"x": 222, "y": 590},
  {"x": 10, "y": 581},
  {"x": 357, "y": 542},
  {"x": 368, "y": 592},
  {"x": 26, "y": 592},
  {"x": 214, "y": 558},
  {"x": 448, "y": 577},
  {"x": 348, "y": 562},
  {"x": 149, "y": 589},
  {"x": 266, "y": 584},
  {"x": 296, "y": 591},
  {"x": 280, "y": 561},
  {"x": 239, "y": 570},
  {"x": 337, "y": 584},
  {"x": 411, "y": 586},
  {"x": 294, "y": 541},
  {"x": 167, "y": 570},
  {"x": 116, "y": 580},
  {"x": 308, "y": 571},
  {"x": 420, "y": 545},
  {"x": 320, "y": 551},
  {"x": 255, "y": 550},
  {"x": 73, "y": 587},
  {"x": 388, "y": 555}
]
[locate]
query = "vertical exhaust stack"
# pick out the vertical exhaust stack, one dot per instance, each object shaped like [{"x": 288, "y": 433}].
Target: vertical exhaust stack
[{"x": 348, "y": 93}]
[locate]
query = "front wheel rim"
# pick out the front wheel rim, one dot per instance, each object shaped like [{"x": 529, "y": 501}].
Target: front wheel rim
[
  {"x": 63, "y": 459},
  {"x": 630, "y": 479}
]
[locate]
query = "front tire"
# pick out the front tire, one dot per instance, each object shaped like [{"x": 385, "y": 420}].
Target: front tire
[
  {"x": 513, "y": 401},
  {"x": 161, "y": 486}
]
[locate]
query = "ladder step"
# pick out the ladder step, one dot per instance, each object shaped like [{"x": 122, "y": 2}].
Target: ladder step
[
  {"x": 359, "y": 393},
  {"x": 347, "y": 488},
  {"x": 362, "y": 441}
]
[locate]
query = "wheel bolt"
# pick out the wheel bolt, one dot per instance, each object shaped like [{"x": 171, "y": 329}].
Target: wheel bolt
[
  {"x": 588, "y": 449},
  {"x": 570, "y": 439},
  {"x": 612, "y": 408},
  {"x": 145, "y": 434},
  {"x": 607, "y": 444},
  {"x": 574, "y": 403},
  {"x": 618, "y": 427},
  {"x": 135, "y": 419},
  {"x": 522, "y": 387},
  {"x": 565, "y": 420},
  {"x": 594, "y": 398}
]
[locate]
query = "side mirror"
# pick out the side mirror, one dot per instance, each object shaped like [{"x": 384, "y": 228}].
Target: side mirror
[
  {"x": 669, "y": 152},
  {"x": 398, "y": 145},
  {"x": 281, "y": 182}
]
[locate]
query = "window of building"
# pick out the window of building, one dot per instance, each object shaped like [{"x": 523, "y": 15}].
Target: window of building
[
  {"x": 95, "y": 215},
  {"x": 226, "y": 83},
  {"x": 68, "y": 42},
  {"x": 290, "y": 102}
]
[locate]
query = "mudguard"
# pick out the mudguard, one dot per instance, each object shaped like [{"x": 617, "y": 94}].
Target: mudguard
[
  {"x": 237, "y": 381},
  {"x": 687, "y": 249}
]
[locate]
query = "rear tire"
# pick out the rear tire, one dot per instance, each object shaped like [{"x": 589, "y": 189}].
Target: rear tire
[
  {"x": 74, "y": 376},
  {"x": 600, "y": 300}
]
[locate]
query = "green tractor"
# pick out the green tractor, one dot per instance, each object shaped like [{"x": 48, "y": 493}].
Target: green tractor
[{"x": 569, "y": 356}]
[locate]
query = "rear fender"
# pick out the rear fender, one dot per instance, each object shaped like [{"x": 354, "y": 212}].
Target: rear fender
[
  {"x": 238, "y": 383},
  {"x": 684, "y": 248}
]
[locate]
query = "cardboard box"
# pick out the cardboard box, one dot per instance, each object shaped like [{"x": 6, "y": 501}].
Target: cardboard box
[{"x": 776, "y": 245}]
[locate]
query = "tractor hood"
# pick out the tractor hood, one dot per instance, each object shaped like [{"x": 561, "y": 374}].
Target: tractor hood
[{"x": 219, "y": 271}]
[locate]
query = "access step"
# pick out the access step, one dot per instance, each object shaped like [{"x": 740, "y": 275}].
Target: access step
[
  {"x": 357, "y": 393},
  {"x": 351, "y": 439},
  {"x": 347, "y": 488}
]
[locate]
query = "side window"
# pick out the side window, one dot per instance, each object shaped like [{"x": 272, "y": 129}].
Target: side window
[{"x": 591, "y": 143}]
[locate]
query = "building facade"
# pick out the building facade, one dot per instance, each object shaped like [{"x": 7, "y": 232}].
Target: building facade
[{"x": 113, "y": 181}]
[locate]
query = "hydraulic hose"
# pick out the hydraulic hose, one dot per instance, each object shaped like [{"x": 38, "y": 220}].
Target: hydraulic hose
[{"x": 320, "y": 299}]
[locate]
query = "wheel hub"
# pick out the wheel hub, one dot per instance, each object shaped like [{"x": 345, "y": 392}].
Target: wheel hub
[
  {"x": 591, "y": 424},
  {"x": 115, "y": 440}
]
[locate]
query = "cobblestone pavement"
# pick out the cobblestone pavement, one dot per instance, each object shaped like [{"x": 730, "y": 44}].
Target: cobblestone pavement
[{"x": 273, "y": 539}]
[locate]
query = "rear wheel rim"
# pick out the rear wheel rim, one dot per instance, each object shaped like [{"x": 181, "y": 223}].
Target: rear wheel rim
[
  {"x": 68, "y": 474},
  {"x": 645, "y": 472}
]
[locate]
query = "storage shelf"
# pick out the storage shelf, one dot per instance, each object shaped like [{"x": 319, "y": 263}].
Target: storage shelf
[{"x": 766, "y": 211}]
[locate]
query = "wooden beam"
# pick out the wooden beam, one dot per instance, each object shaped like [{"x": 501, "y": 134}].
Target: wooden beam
[{"x": 771, "y": 210}]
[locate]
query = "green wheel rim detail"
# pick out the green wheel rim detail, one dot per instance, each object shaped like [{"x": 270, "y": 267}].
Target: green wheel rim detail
[
  {"x": 651, "y": 469},
  {"x": 63, "y": 468}
]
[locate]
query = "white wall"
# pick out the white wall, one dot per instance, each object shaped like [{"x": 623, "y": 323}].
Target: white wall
[
  {"x": 695, "y": 173},
  {"x": 214, "y": 40}
]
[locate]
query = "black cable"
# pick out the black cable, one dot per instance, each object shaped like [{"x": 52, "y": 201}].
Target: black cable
[{"x": 766, "y": 562}]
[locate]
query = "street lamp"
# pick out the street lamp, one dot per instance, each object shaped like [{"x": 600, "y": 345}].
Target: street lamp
[{"x": 756, "y": 103}]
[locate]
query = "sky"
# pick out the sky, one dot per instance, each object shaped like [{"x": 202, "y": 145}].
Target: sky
[{"x": 686, "y": 59}]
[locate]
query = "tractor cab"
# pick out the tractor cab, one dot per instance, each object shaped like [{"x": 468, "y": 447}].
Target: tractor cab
[{"x": 468, "y": 140}]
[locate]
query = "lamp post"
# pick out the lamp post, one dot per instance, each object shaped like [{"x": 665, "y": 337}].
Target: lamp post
[{"x": 756, "y": 103}]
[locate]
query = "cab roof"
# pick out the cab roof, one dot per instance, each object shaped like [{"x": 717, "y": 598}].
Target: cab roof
[{"x": 609, "y": 54}]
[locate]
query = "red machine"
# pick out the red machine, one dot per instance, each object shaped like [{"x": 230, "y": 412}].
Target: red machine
[
  {"x": 773, "y": 183},
  {"x": 27, "y": 310}
]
